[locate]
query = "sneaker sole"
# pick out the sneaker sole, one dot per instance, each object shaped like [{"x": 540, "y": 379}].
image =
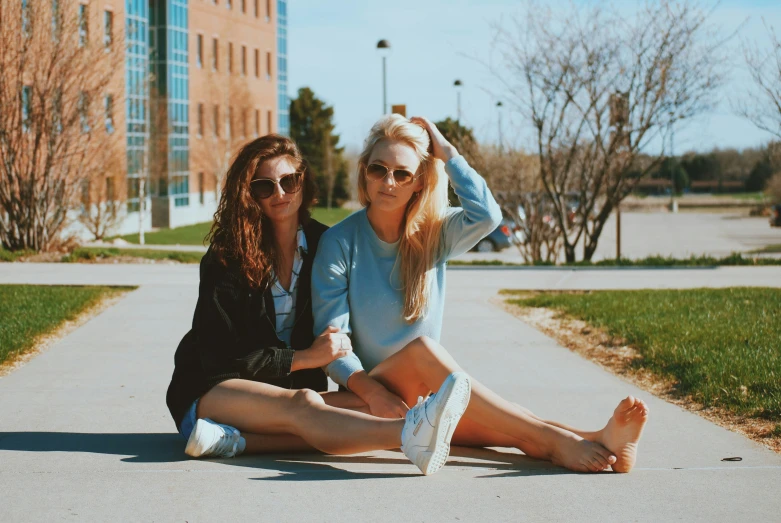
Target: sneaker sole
[{"x": 458, "y": 393}]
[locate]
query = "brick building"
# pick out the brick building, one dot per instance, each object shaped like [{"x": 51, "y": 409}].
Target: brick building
[{"x": 202, "y": 77}]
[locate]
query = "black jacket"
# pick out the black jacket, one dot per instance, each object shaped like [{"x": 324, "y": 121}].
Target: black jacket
[{"x": 234, "y": 336}]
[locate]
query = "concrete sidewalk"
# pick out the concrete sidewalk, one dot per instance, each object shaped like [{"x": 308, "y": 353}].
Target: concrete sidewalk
[{"x": 85, "y": 434}]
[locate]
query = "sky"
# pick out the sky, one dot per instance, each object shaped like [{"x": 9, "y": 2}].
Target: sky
[{"x": 332, "y": 50}]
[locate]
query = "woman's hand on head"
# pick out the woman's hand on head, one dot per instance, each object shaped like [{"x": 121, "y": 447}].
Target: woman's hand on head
[
  {"x": 329, "y": 346},
  {"x": 440, "y": 147}
]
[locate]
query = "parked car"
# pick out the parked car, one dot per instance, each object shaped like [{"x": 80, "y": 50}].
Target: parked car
[
  {"x": 499, "y": 239},
  {"x": 775, "y": 215}
]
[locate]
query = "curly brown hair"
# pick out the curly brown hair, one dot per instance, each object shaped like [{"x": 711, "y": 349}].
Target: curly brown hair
[{"x": 240, "y": 233}]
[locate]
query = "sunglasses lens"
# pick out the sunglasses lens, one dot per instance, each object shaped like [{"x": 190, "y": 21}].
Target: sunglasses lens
[
  {"x": 291, "y": 183},
  {"x": 376, "y": 171},
  {"x": 402, "y": 177},
  {"x": 262, "y": 188}
]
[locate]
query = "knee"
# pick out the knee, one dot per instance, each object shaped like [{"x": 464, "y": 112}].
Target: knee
[
  {"x": 428, "y": 347},
  {"x": 307, "y": 398}
]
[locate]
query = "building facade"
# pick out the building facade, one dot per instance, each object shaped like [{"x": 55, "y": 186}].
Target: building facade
[{"x": 202, "y": 77}]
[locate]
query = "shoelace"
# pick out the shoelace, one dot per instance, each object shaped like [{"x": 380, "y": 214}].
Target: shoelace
[{"x": 228, "y": 443}]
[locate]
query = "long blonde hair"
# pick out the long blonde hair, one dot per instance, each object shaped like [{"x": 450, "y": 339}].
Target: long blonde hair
[{"x": 419, "y": 246}]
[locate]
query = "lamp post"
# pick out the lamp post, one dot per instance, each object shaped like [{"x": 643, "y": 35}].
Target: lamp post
[
  {"x": 384, "y": 47},
  {"x": 457, "y": 84},
  {"x": 673, "y": 207},
  {"x": 499, "y": 112}
]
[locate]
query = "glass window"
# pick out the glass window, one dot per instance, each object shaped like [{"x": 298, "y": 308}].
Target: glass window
[
  {"x": 244, "y": 123},
  {"x": 216, "y": 121},
  {"x": 243, "y": 60},
  {"x": 83, "y": 108},
  {"x": 230, "y": 57},
  {"x": 228, "y": 4},
  {"x": 83, "y": 25},
  {"x": 215, "y": 55},
  {"x": 257, "y": 63},
  {"x": 108, "y": 106},
  {"x": 27, "y": 96},
  {"x": 269, "y": 121},
  {"x": 200, "y": 119},
  {"x": 199, "y": 50},
  {"x": 257, "y": 123},
  {"x": 268, "y": 66},
  {"x": 108, "y": 28},
  {"x": 200, "y": 187},
  {"x": 243, "y": 10},
  {"x": 257, "y": 10},
  {"x": 268, "y": 10}
]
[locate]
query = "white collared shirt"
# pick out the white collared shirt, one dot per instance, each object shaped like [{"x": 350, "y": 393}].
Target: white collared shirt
[{"x": 284, "y": 300}]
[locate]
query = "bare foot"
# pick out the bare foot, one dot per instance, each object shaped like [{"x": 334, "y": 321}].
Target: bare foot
[
  {"x": 580, "y": 455},
  {"x": 623, "y": 431}
]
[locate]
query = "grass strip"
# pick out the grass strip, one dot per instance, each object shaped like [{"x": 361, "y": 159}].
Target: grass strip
[
  {"x": 31, "y": 311},
  {"x": 768, "y": 249},
  {"x": 91, "y": 254},
  {"x": 734, "y": 259},
  {"x": 12, "y": 256},
  {"x": 719, "y": 346},
  {"x": 195, "y": 234}
]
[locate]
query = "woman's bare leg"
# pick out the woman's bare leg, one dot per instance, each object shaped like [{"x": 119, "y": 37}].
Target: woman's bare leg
[
  {"x": 423, "y": 364},
  {"x": 273, "y": 419},
  {"x": 276, "y": 443}
]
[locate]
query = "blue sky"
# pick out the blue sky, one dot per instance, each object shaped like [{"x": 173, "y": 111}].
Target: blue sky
[{"x": 332, "y": 49}]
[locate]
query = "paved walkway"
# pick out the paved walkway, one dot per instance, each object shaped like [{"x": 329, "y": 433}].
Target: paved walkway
[{"x": 85, "y": 434}]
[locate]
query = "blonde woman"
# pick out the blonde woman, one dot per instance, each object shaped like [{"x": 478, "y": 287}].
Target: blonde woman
[{"x": 379, "y": 276}]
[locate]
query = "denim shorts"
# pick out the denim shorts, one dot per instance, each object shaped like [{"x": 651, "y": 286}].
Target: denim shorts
[{"x": 188, "y": 422}]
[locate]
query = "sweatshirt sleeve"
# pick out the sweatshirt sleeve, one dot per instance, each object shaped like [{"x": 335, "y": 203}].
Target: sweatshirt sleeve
[
  {"x": 478, "y": 215},
  {"x": 329, "y": 302}
]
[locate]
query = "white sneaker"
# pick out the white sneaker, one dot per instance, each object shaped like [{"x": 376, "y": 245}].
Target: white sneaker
[
  {"x": 430, "y": 424},
  {"x": 214, "y": 440}
]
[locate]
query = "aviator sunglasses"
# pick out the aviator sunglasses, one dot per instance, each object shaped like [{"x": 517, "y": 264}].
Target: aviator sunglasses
[
  {"x": 376, "y": 171},
  {"x": 264, "y": 187}
]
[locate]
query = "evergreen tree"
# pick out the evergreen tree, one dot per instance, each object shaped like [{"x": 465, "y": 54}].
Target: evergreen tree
[{"x": 312, "y": 128}]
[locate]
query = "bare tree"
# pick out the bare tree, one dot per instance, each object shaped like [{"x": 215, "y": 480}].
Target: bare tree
[
  {"x": 762, "y": 104},
  {"x": 55, "y": 77},
  {"x": 598, "y": 89},
  {"x": 101, "y": 202},
  {"x": 226, "y": 125},
  {"x": 513, "y": 176}
]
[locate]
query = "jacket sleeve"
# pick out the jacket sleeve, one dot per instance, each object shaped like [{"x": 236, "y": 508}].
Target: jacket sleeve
[
  {"x": 222, "y": 345},
  {"x": 478, "y": 215},
  {"x": 330, "y": 306}
]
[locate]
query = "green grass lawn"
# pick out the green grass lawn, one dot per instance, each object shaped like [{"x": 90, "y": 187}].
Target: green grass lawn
[
  {"x": 12, "y": 256},
  {"x": 721, "y": 346},
  {"x": 735, "y": 259},
  {"x": 194, "y": 234},
  {"x": 768, "y": 249},
  {"x": 87, "y": 254},
  {"x": 30, "y": 311}
]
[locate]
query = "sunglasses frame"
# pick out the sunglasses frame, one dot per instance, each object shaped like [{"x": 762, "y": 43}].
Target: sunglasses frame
[
  {"x": 393, "y": 175},
  {"x": 299, "y": 185}
]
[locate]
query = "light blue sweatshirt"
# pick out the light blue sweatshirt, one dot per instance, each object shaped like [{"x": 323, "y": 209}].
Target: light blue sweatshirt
[{"x": 356, "y": 288}]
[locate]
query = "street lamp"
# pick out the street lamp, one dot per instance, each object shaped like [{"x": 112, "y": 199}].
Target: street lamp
[
  {"x": 499, "y": 112},
  {"x": 384, "y": 48},
  {"x": 673, "y": 207},
  {"x": 457, "y": 84}
]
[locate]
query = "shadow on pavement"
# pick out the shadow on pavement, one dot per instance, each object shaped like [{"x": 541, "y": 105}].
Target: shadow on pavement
[
  {"x": 144, "y": 448},
  {"x": 169, "y": 448}
]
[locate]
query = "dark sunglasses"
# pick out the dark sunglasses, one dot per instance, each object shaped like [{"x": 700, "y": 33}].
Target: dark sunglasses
[
  {"x": 262, "y": 188},
  {"x": 376, "y": 171}
]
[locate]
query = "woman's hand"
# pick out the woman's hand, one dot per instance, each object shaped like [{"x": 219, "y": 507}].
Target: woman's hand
[
  {"x": 440, "y": 147},
  {"x": 384, "y": 404},
  {"x": 329, "y": 346}
]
